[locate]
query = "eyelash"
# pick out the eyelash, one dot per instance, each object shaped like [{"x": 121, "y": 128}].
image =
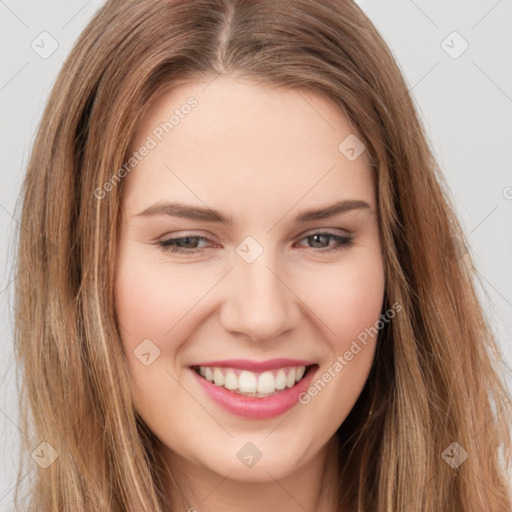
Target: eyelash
[{"x": 343, "y": 242}]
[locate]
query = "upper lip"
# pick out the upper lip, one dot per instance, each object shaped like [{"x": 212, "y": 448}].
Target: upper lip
[{"x": 255, "y": 366}]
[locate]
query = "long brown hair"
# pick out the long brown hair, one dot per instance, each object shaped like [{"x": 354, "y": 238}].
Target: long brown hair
[{"x": 437, "y": 375}]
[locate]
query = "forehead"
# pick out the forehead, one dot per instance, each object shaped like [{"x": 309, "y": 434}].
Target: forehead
[{"x": 267, "y": 145}]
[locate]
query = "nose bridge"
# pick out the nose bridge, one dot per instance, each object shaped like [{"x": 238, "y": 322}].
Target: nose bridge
[{"x": 261, "y": 305}]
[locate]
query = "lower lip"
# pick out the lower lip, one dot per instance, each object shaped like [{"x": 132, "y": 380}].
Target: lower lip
[{"x": 253, "y": 407}]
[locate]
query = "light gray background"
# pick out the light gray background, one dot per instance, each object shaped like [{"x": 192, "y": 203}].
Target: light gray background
[{"x": 466, "y": 104}]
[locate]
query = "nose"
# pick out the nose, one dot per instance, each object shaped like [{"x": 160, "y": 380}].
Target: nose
[{"x": 260, "y": 303}]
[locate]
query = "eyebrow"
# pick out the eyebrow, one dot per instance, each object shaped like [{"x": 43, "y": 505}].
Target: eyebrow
[{"x": 177, "y": 209}]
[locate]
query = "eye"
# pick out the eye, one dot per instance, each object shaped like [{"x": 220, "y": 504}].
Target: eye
[
  {"x": 184, "y": 245},
  {"x": 189, "y": 244},
  {"x": 324, "y": 237}
]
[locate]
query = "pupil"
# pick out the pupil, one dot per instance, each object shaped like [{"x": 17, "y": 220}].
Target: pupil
[
  {"x": 316, "y": 237},
  {"x": 187, "y": 240}
]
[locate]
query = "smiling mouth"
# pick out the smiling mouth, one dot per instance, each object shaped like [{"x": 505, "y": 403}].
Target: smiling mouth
[{"x": 254, "y": 384}]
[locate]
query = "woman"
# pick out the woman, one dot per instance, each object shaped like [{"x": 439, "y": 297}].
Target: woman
[{"x": 240, "y": 276}]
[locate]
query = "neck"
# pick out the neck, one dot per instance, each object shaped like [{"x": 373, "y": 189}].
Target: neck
[{"x": 314, "y": 486}]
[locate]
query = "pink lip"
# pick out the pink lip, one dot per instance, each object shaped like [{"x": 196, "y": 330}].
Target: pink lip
[
  {"x": 255, "y": 366},
  {"x": 253, "y": 407}
]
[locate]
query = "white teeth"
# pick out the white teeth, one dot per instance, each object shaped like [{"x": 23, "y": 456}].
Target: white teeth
[
  {"x": 247, "y": 382},
  {"x": 253, "y": 384},
  {"x": 266, "y": 383},
  {"x": 290, "y": 379},
  {"x": 281, "y": 379},
  {"x": 299, "y": 373},
  {"x": 231, "y": 381},
  {"x": 218, "y": 377}
]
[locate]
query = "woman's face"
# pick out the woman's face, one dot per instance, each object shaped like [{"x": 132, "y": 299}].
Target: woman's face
[{"x": 236, "y": 266}]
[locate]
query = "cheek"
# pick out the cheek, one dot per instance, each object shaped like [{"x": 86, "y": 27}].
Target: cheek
[
  {"x": 152, "y": 297},
  {"x": 362, "y": 300},
  {"x": 350, "y": 305},
  {"x": 147, "y": 308},
  {"x": 141, "y": 303},
  {"x": 348, "y": 299}
]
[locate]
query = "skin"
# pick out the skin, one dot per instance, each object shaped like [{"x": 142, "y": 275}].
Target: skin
[{"x": 260, "y": 155}]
